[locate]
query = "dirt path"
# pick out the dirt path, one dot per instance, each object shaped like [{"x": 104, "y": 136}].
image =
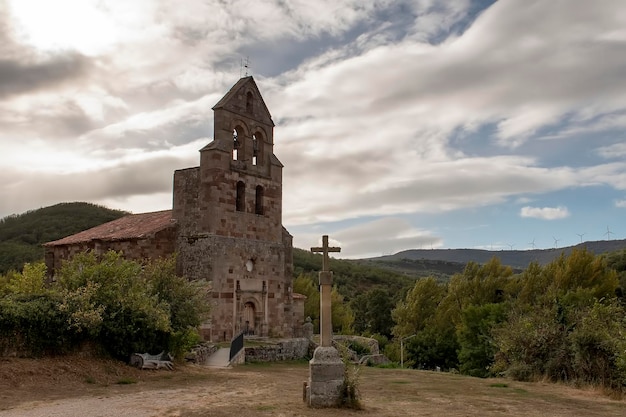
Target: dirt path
[{"x": 276, "y": 390}]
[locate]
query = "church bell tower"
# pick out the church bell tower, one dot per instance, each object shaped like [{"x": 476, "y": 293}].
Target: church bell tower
[{"x": 229, "y": 215}]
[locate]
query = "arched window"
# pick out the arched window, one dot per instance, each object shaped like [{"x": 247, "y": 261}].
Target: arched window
[
  {"x": 255, "y": 150},
  {"x": 236, "y": 144},
  {"x": 258, "y": 206},
  {"x": 249, "y": 98},
  {"x": 240, "y": 202}
]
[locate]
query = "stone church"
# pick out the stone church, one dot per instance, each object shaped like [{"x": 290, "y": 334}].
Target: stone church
[{"x": 225, "y": 226}]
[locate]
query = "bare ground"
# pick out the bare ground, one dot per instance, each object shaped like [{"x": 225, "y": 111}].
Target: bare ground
[{"x": 73, "y": 387}]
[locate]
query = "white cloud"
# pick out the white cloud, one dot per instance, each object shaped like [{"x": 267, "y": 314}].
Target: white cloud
[
  {"x": 614, "y": 151},
  {"x": 380, "y": 109},
  {"x": 545, "y": 213},
  {"x": 620, "y": 203}
]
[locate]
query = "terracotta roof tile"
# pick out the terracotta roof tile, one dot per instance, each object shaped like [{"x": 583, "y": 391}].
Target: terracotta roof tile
[{"x": 133, "y": 226}]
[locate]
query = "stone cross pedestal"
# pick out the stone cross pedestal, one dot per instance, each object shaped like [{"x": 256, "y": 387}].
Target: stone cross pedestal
[{"x": 326, "y": 368}]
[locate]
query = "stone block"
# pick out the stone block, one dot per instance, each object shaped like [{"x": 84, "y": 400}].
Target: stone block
[{"x": 326, "y": 378}]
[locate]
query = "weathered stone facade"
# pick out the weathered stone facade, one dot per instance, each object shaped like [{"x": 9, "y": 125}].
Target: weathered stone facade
[{"x": 226, "y": 225}]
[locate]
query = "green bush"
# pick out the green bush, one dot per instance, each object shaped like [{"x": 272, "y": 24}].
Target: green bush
[
  {"x": 358, "y": 348},
  {"x": 599, "y": 346},
  {"x": 123, "y": 306},
  {"x": 181, "y": 341},
  {"x": 33, "y": 325}
]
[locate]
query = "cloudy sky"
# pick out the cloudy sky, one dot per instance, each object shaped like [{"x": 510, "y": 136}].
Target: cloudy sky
[{"x": 401, "y": 124}]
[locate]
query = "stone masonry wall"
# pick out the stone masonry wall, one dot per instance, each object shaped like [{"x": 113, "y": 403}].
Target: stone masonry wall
[
  {"x": 223, "y": 260},
  {"x": 160, "y": 245},
  {"x": 284, "y": 350},
  {"x": 217, "y": 205}
]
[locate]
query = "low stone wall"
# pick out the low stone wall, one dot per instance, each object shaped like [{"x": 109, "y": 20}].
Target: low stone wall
[
  {"x": 200, "y": 354},
  {"x": 372, "y": 360},
  {"x": 239, "y": 359},
  {"x": 281, "y": 350}
]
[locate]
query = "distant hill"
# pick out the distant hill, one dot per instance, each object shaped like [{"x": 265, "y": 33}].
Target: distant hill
[
  {"x": 21, "y": 235},
  {"x": 514, "y": 258},
  {"x": 353, "y": 277},
  {"x": 442, "y": 270}
]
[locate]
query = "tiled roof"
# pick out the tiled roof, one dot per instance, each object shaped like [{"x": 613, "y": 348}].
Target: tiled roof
[{"x": 133, "y": 226}]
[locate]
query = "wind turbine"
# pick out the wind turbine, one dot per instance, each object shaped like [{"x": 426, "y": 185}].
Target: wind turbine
[
  {"x": 532, "y": 243},
  {"x": 556, "y": 242},
  {"x": 511, "y": 245},
  {"x": 581, "y": 236},
  {"x": 608, "y": 233}
]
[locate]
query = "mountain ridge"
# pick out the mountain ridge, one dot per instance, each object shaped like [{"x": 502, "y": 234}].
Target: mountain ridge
[{"x": 515, "y": 258}]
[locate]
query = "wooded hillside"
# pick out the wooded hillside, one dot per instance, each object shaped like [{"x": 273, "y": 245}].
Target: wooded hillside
[{"x": 21, "y": 235}]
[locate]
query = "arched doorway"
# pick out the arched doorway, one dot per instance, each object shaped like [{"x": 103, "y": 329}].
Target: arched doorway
[{"x": 248, "y": 323}]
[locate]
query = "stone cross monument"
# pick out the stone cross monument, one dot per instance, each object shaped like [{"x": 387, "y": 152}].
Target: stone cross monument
[
  {"x": 326, "y": 369},
  {"x": 326, "y": 283}
]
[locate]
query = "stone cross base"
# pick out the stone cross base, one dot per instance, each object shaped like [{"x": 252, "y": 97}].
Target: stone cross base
[{"x": 326, "y": 378}]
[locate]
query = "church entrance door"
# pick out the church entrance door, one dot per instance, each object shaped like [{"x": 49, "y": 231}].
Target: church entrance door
[{"x": 248, "y": 318}]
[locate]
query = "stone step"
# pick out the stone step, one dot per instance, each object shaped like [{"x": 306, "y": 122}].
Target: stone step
[{"x": 220, "y": 359}]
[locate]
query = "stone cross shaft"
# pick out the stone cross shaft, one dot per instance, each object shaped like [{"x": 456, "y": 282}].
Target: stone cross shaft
[{"x": 326, "y": 283}]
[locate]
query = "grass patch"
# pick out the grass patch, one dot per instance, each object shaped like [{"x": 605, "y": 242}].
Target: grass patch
[
  {"x": 390, "y": 365},
  {"x": 400, "y": 382},
  {"x": 126, "y": 381},
  {"x": 258, "y": 364},
  {"x": 499, "y": 385}
]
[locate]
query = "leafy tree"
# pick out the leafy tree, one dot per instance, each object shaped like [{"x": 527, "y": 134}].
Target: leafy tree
[
  {"x": 21, "y": 235},
  {"x": 564, "y": 322},
  {"x": 128, "y": 307},
  {"x": 582, "y": 270},
  {"x": 478, "y": 284},
  {"x": 188, "y": 301},
  {"x": 430, "y": 337},
  {"x": 350, "y": 277},
  {"x": 30, "y": 281},
  {"x": 342, "y": 316},
  {"x": 477, "y": 347},
  {"x": 85, "y": 314},
  {"x": 32, "y": 324},
  {"x": 599, "y": 347},
  {"x": 533, "y": 344},
  {"x": 433, "y": 347},
  {"x": 531, "y": 282},
  {"x": 372, "y": 312},
  {"x": 133, "y": 319},
  {"x": 13, "y": 255},
  {"x": 304, "y": 285},
  {"x": 617, "y": 261},
  {"x": 418, "y": 309}
]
